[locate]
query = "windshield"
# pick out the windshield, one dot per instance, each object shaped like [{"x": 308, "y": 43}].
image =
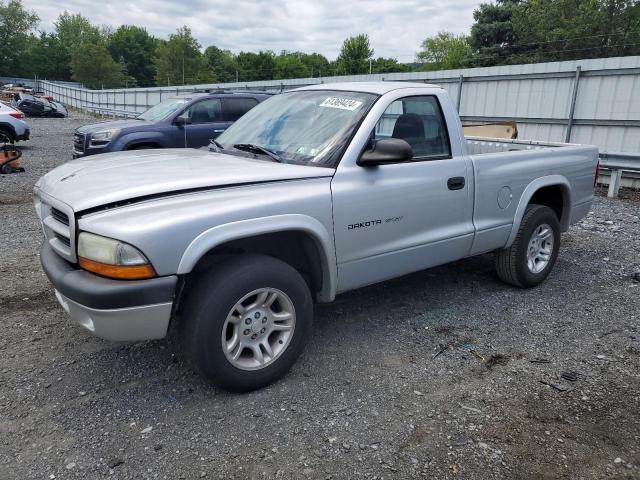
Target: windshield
[
  {"x": 162, "y": 110},
  {"x": 308, "y": 127}
]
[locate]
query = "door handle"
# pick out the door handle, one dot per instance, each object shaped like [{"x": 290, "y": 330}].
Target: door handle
[
  {"x": 455, "y": 183},
  {"x": 219, "y": 131}
]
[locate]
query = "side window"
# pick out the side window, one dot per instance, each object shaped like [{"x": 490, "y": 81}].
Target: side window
[
  {"x": 234, "y": 108},
  {"x": 206, "y": 111},
  {"x": 418, "y": 121}
]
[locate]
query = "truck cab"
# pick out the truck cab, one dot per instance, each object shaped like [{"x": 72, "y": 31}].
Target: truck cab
[{"x": 312, "y": 193}]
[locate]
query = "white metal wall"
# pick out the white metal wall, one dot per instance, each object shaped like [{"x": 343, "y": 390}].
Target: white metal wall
[{"x": 537, "y": 96}]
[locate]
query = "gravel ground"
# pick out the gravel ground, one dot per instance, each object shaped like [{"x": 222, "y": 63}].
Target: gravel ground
[{"x": 444, "y": 374}]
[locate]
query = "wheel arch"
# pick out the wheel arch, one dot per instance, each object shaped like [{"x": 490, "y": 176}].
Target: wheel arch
[
  {"x": 134, "y": 139},
  {"x": 553, "y": 191},
  {"x": 8, "y": 127},
  {"x": 293, "y": 238},
  {"x": 136, "y": 144}
]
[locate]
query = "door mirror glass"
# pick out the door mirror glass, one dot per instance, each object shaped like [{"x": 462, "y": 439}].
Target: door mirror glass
[
  {"x": 182, "y": 120},
  {"x": 388, "y": 150}
]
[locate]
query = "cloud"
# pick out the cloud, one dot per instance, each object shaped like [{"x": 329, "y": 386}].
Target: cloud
[{"x": 396, "y": 27}]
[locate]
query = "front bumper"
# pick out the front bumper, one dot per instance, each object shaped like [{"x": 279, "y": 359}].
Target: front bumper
[
  {"x": 89, "y": 151},
  {"x": 116, "y": 310},
  {"x": 82, "y": 146}
]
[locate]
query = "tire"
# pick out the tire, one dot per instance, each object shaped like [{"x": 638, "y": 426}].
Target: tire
[
  {"x": 7, "y": 136},
  {"x": 513, "y": 264},
  {"x": 208, "y": 312}
]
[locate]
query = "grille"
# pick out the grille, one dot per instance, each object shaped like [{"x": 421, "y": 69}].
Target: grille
[
  {"x": 64, "y": 240},
  {"x": 60, "y": 216},
  {"x": 59, "y": 227},
  {"x": 78, "y": 142}
]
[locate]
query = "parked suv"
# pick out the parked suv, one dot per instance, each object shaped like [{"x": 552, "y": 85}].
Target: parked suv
[
  {"x": 12, "y": 125},
  {"x": 176, "y": 122}
]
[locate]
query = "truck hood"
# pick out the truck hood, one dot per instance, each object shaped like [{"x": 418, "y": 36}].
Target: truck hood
[
  {"x": 123, "y": 176},
  {"x": 120, "y": 124}
]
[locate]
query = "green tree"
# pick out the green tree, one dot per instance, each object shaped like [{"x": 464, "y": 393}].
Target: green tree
[
  {"x": 354, "y": 56},
  {"x": 445, "y": 51},
  {"x": 388, "y": 65},
  {"x": 255, "y": 66},
  {"x": 74, "y": 30},
  {"x": 552, "y": 30},
  {"x": 92, "y": 65},
  {"x": 179, "y": 61},
  {"x": 16, "y": 25},
  {"x": 317, "y": 64},
  {"x": 128, "y": 80},
  {"x": 222, "y": 64},
  {"x": 45, "y": 58},
  {"x": 290, "y": 65},
  {"x": 136, "y": 48},
  {"x": 492, "y": 35}
]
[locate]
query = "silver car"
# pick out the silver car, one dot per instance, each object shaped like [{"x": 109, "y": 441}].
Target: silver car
[{"x": 12, "y": 124}]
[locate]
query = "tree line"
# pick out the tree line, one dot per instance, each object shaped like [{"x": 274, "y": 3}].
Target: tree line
[{"x": 503, "y": 32}]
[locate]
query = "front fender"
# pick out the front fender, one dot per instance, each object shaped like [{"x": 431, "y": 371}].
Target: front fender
[
  {"x": 129, "y": 139},
  {"x": 530, "y": 190},
  {"x": 221, "y": 234}
]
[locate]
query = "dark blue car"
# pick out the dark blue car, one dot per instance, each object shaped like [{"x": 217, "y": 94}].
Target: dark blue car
[{"x": 189, "y": 121}]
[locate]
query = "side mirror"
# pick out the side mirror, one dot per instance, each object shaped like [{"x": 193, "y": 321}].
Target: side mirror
[
  {"x": 182, "y": 120},
  {"x": 388, "y": 150}
]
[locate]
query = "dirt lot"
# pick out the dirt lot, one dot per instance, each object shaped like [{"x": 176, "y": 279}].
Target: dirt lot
[{"x": 445, "y": 374}]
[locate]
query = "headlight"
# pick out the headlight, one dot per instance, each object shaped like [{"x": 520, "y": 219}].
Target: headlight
[
  {"x": 103, "y": 137},
  {"x": 112, "y": 258}
]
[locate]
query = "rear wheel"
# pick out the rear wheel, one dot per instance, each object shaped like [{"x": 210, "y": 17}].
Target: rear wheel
[
  {"x": 531, "y": 257},
  {"x": 246, "y": 321}
]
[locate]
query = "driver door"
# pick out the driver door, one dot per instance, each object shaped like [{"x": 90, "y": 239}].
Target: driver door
[
  {"x": 390, "y": 220},
  {"x": 206, "y": 122}
]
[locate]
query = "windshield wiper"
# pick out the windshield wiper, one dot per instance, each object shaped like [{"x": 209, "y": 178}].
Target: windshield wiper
[
  {"x": 250, "y": 147},
  {"x": 218, "y": 146}
]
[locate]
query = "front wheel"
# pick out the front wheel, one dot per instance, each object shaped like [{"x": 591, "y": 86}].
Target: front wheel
[
  {"x": 247, "y": 321},
  {"x": 531, "y": 257}
]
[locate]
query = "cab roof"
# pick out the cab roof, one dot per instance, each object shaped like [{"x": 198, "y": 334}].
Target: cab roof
[{"x": 379, "y": 88}]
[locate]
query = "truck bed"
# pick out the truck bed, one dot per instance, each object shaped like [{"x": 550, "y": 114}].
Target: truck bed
[
  {"x": 504, "y": 169},
  {"x": 485, "y": 145}
]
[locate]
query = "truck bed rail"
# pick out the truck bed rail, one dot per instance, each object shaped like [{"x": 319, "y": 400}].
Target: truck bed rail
[{"x": 614, "y": 162}]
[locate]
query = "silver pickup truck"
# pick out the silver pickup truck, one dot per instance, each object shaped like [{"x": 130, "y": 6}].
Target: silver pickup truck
[{"x": 312, "y": 193}]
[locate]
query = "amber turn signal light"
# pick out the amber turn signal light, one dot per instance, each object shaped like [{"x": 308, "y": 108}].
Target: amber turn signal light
[{"x": 120, "y": 272}]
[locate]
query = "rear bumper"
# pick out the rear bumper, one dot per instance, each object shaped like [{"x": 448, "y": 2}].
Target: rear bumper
[
  {"x": 111, "y": 309},
  {"x": 25, "y": 135}
]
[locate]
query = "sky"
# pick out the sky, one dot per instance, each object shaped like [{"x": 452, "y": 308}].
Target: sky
[{"x": 395, "y": 27}]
